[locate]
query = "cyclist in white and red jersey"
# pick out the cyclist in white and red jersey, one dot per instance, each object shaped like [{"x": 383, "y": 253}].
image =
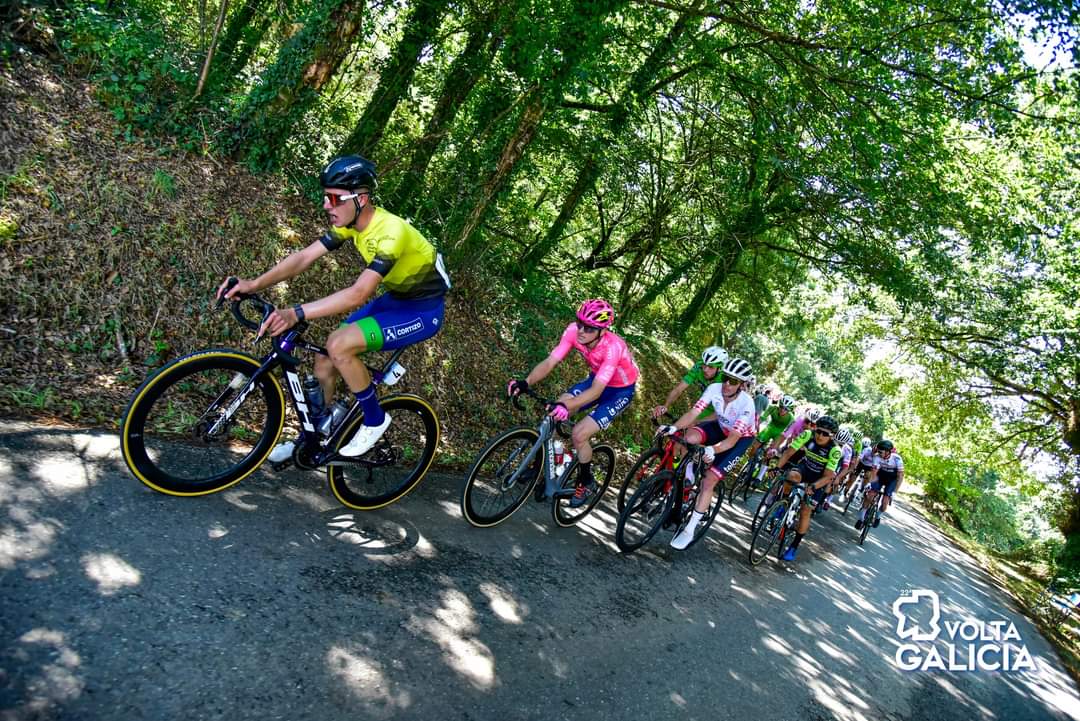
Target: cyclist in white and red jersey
[
  {"x": 886, "y": 477},
  {"x": 725, "y": 438},
  {"x": 608, "y": 389},
  {"x": 864, "y": 466}
]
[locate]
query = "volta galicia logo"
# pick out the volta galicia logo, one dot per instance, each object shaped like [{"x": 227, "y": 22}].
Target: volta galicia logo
[{"x": 965, "y": 645}]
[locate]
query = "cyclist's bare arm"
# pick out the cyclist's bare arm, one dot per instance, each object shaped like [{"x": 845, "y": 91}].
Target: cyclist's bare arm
[
  {"x": 345, "y": 299},
  {"x": 289, "y": 267},
  {"x": 541, "y": 371},
  {"x": 671, "y": 398},
  {"x": 587, "y": 397}
]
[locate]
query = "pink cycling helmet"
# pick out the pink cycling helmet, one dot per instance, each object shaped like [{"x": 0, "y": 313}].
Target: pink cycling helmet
[{"x": 596, "y": 312}]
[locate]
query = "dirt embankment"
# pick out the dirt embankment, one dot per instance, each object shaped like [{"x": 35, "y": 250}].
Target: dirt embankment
[{"x": 110, "y": 249}]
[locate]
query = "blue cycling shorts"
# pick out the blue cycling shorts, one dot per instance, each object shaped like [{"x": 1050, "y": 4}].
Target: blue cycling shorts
[
  {"x": 389, "y": 323},
  {"x": 611, "y": 402},
  {"x": 724, "y": 463}
]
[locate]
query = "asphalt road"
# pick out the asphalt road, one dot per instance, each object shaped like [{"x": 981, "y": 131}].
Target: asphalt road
[{"x": 271, "y": 601}]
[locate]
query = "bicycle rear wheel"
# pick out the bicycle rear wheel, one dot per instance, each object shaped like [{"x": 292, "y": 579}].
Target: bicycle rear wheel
[
  {"x": 645, "y": 511},
  {"x": 768, "y": 531},
  {"x": 198, "y": 425},
  {"x": 646, "y": 465},
  {"x": 499, "y": 481},
  {"x": 603, "y": 467},
  {"x": 398, "y": 461}
]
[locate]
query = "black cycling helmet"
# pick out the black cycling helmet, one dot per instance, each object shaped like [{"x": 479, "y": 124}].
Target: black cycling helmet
[
  {"x": 349, "y": 172},
  {"x": 884, "y": 446},
  {"x": 826, "y": 423}
]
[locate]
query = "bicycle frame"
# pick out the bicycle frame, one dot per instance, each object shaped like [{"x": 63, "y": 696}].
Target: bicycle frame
[
  {"x": 281, "y": 355},
  {"x": 546, "y": 431}
]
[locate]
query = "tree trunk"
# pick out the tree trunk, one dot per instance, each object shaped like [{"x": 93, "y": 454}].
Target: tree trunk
[
  {"x": 616, "y": 122},
  {"x": 465, "y": 71},
  {"x": 303, "y": 66},
  {"x": 725, "y": 261},
  {"x": 588, "y": 30},
  {"x": 240, "y": 28},
  {"x": 210, "y": 50},
  {"x": 395, "y": 77},
  {"x": 512, "y": 151}
]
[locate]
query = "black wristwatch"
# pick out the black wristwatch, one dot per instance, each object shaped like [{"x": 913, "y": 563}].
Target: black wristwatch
[{"x": 299, "y": 310}]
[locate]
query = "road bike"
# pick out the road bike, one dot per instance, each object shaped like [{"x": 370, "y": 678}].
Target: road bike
[
  {"x": 204, "y": 422},
  {"x": 666, "y": 499},
  {"x": 855, "y": 492},
  {"x": 746, "y": 480},
  {"x": 778, "y": 525},
  {"x": 773, "y": 484},
  {"x": 873, "y": 513},
  {"x": 659, "y": 456},
  {"x": 513, "y": 463}
]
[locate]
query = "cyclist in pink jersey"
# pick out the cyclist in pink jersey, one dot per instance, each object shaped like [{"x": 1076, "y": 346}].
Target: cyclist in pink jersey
[{"x": 608, "y": 388}]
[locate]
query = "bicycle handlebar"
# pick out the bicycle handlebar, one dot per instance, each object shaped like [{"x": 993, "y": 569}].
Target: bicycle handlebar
[
  {"x": 263, "y": 305},
  {"x": 547, "y": 403}
]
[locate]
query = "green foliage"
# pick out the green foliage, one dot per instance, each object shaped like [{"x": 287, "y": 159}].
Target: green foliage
[{"x": 136, "y": 68}]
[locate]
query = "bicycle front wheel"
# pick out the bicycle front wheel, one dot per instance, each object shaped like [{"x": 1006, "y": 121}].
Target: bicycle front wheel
[
  {"x": 603, "y": 468},
  {"x": 199, "y": 424},
  {"x": 398, "y": 461},
  {"x": 768, "y": 531},
  {"x": 646, "y": 465},
  {"x": 645, "y": 512},
  {"x": 870, "y": 516},
  {"x": 499, "y": 481}
]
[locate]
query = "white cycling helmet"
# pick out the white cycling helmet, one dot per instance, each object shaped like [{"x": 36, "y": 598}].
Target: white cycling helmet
[
  {"x": 714, "y": 356},
  {"x": 866, "y": 442},
  {"x": 787, "y": 403},
  {"x": 844, "y": 437},
  {"x": 738, "y": 369},
  {"x": 813, "y": 414}
]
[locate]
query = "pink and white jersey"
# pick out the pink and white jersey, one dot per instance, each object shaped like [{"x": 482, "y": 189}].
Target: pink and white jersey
[
  {"x": 610, "y": 361},
  {"x": 796, "y": 428},
  {"x": 735, "y": 415}
]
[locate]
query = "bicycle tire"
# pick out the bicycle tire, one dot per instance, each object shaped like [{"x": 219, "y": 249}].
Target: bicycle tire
[
  {"x": 767, "y": 532},
  {"x": 787, "y": 535},
  {"x": 871, "y": 513},
  {"x": 774, "y": 489},
  {"x": 604, "y": 462},
  {"x": 641, "y": 470},
  {"x": 745, "y": 480},
  {"x": 190, "y": 477},
  {"x": 647, "y": 509},
  {"x": 518, "y": 442},
  {"x": 410, "y": 416}
]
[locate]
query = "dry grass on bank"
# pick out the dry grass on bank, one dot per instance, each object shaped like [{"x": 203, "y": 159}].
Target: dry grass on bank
[{"x": 110, "y": 251}]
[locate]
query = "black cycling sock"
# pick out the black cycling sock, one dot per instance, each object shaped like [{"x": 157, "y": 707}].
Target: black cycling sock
[
  {"x": 585, "y": 472},
  {"x": 797, "y": 541}
]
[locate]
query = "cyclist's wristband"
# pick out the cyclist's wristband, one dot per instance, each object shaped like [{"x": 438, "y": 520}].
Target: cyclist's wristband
[{"x": 299, "y": 310}]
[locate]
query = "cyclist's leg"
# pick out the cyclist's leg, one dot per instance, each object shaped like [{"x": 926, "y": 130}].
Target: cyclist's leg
[
  {"x": 386, "y": 323},
  {"x": 606, "y": 408}
]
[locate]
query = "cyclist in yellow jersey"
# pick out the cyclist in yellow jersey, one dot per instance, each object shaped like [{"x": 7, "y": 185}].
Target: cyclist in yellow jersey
[{"x": 397, "y": 256}]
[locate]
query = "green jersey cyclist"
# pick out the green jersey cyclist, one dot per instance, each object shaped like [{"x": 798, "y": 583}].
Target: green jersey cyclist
[{"x": 700, "y": 375}]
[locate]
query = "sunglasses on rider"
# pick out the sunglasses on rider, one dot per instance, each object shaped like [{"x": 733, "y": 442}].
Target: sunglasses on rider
[
  {"x": 585, "y": 327},
  {"x": 820, "y": 432},
  {"x": 335, "y": 200},
  {"x": 733, "y": 381}
]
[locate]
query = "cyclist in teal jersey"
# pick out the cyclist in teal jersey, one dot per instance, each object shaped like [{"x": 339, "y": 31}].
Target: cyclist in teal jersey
[{"x": 702, "y": 375}]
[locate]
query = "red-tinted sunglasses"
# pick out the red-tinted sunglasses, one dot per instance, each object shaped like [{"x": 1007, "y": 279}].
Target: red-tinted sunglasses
[{"x": 335, "y": 200}]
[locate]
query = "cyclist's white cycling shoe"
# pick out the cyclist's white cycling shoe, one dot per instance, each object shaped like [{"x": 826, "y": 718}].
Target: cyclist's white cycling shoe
[
  {"x": 364, "y": 439},
  {"x": 684, "y": 537},
  {"x": 282, "y": 452}
]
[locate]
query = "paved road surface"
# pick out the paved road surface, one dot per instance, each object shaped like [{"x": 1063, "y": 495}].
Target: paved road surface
[{"x": 271, "y": 601}]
